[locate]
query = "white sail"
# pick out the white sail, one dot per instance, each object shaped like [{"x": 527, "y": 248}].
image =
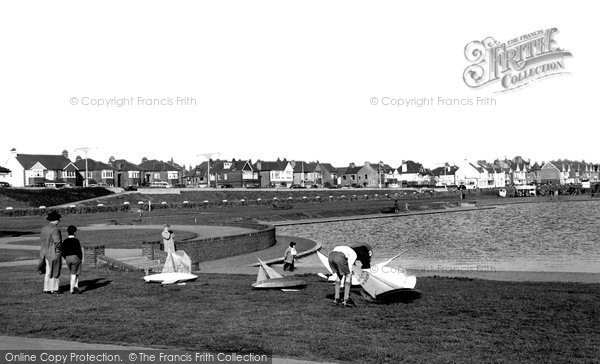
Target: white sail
[{"x": 266, "y": 272}]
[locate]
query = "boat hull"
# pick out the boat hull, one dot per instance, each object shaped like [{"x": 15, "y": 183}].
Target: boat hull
[{"x": 279, "y": 283}]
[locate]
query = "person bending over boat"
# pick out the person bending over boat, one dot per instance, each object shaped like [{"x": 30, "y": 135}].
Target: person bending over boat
[{"x": 341, "y": 260}]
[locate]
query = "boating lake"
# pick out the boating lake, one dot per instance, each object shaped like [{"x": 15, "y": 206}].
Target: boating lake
[{"x": 534, "y": 237}]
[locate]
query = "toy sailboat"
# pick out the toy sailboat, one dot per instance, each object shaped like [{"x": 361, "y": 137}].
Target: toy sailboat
[{"x": 268, "y": 278}]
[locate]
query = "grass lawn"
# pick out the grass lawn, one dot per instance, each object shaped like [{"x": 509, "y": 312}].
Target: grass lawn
[
  {"x": 10, "y": 255},
  {"x": 455, "y": 320},
  {"x": 126, "y": 239}
]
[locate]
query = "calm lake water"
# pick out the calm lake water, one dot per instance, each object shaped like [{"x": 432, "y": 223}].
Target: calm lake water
[{"x": 541, "y": 237}]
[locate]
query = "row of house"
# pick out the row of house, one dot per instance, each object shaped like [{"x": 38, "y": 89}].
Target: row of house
[
  {"x": 23, "y": 170},
  {"x": 57, "y": 170}
]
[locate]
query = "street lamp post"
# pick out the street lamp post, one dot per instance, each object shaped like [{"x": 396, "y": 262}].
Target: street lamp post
[{"x": 208, "y": 157}]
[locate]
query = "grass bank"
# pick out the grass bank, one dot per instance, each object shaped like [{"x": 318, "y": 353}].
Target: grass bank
[
  {"x": 455, "y": 320},
  {"x": 35, "y": 197},
  {"x": 11, "y": 255}
]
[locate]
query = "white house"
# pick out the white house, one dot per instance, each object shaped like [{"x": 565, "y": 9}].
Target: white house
[
  {"x": 467, "y": 175},
  {"x": 275, "y": 174},
  {"x": 34, "y": 169},
  {"x": 413, "y": 173},
  {"x": 445, "y": 176}
]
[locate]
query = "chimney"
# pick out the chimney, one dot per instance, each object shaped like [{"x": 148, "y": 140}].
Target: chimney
[
  {"x": 65, "y": 154},
  {"x": 13, "y": 152}
]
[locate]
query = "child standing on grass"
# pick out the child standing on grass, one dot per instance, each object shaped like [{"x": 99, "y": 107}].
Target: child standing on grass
[
  {"x": 168, "y": 239},
  {"x": 290, "y": 256},
  {"x": 71, "y": 250}
]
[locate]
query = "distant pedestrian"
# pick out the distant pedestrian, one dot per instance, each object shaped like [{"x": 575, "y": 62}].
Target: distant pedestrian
[
  {"x": 50, "y": 251},
  {"x": 71, "y": 251},
  {"x": 406, "y": 207},
  {"x": 291, "y": 255},
  {"x": 396, "y": 207},
  {"x": 168, "y": 239}
]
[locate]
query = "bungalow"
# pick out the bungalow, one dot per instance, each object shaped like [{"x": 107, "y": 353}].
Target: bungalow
[
  {"x": 159, "y": 171},
  {"x": 307, "y": 174},
  {"x": 413, "y": 174},
  {"x": 445, "y": 176},
  {"x": 94, "y": 172},
  {"x": 467, "y": 175},
  {"x": 275, "y": 174},
  {"x": 40, "y": 169},
  {"x": 126, "y": 173}
]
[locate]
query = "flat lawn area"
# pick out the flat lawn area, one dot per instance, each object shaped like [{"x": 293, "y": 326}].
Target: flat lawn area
[
  {"x": 214, "y": 215},
  {"x": 126, "y": 239},
  {"x": 10, "y": 255},
  {"x": 456, "y": 319}
]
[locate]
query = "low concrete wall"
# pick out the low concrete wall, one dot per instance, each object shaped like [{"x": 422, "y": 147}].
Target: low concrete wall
[{"x": 201, "y": 250}]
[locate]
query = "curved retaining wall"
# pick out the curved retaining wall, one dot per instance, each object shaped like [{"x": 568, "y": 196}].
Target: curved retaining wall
[{"x": 201, "y": 250}]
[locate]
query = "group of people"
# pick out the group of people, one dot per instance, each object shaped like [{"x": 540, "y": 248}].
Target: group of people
[
  {"x": 341, "y": 260},
  {"x": 53, "y": 249}
]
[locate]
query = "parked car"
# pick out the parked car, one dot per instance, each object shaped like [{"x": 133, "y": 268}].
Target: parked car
[
  {"x": 158, "y": 184},
  {"x": 130, "y": 188},
  {"x": 297, "y": 186},
  {"x": 101, "y": 184},
  {"x": 4, "y": 184}
]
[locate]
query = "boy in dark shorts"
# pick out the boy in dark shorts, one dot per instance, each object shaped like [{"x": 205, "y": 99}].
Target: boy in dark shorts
[
  {"x": 341, "y": 260},
  {"x": 73, "y": 255}
]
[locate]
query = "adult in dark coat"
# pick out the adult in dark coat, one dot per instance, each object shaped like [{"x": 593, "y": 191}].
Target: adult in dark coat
[{"x": 50, "y": 251}]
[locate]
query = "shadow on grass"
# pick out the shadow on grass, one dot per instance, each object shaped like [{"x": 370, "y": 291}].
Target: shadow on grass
[
  {"x": 92, "y": 284},
  {"x": 14, "y": 233}
]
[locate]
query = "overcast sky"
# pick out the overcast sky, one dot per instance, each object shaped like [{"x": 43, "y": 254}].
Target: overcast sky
[{"x": 288, "y": 79}]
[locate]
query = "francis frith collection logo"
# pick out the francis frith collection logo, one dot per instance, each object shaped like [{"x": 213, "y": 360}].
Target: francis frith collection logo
[{"x": 516, "y": 62}]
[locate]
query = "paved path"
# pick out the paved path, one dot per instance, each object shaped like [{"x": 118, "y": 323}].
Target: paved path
[
  {"x": 203, "y": 231},
  {"x": 247, "y": 263}
]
